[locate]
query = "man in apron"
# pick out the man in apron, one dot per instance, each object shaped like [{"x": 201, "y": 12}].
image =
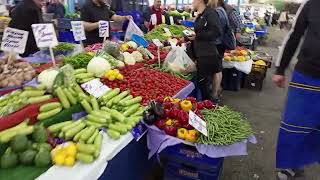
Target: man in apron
[
  {"x": 154, "y": 15},
  {"x": 299, "y": 134}
]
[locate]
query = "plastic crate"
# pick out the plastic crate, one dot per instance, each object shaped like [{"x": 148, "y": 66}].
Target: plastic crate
[
  {"x": 250, "y": 25},
  {"x": 254, "y": 81},
  {"x": 64, "y": 23},
  {"x": 231, "y": 79},
  {"x": 185, "y": 162},
  {"x": 66, "y": 36},
  {"x": 189, "y": 24}
]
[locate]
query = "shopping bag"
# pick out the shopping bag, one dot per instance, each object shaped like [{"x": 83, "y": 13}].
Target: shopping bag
[
  {"x": 132, "y": 29},
  {"x": 178, "y": 61}
]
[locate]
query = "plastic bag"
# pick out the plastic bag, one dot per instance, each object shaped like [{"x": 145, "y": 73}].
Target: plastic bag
[
  {"x": 178, "y": 61},
  {"x": 132, "y": 29}
]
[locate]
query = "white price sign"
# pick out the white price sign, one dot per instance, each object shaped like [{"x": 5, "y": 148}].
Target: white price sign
[
  {"x": 103, "y": 29},
  {"x": 95, "y": 88},
  {"x": 167, "y": 31},
  {"x": 196, "y": 122},
  {"x": 44, "y": 35},
  {"x": 78, "y": 30},
  {"x": 157, "y": 42},
  {"x": 171, "y": 20},
  {"x": 14, "y": 40}
]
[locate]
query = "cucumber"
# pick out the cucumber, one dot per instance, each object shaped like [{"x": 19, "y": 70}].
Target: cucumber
[
  {"x": 63, "y": 98},
  {"x": 86, "y": 135},
  {"x": 34, "y": 100},
  {"x": 119, "y": 128},
  {"x": 113, "y": 134},
  {"x": 139, "y": 112},
  {"x": 61, "y": 134},
  {"x": 106, "y": 109},
  {"x": 83, "y": 96},
  {"x": 78, "y": 135},
  {"x": 86, "y": 106},
  {"x": 127, "y": 126},
  {"x": 112, "y": 94},
  {"x": 78, "y": 89},
  {"x": 71, "y": 126},
  {"x": 49, "y": 106},
  {"x": 92, "y": 138},
  {"x": 94, "y": 104},
  {"x": 96, "y": 119},
  {"x": 41, "y": 87},
  {"x": 79, "y": 71},
  {"x": 32, "y": 93},
  {"x": 132, "y": 109},
  {"x": 97, "y": 144},
  {"x": 72, "y": 132},
  {"x": 116, "y": 115},
  {"x": 125, "y": 99},
  {"x": 48, "y": 114},
  {"x": 101, "y": 114},
  {"x": 70, "y": 97},
  {"x": 85, "y": 158},
  {"x": 84, "y": 75},
  {"x": 4, "y": 138},
  {"x": 135, "y": 119},
  {"x": 120, "y": 97},
  {"x": 86, "y": 148},
  {"x": 94, "y": 124},
  {"x": 110, "y": 102},
  {"x": 57, "y": 127},
  {"x": 132, "y": 101}
]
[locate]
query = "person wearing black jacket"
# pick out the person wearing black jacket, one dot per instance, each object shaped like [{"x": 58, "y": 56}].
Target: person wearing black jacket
[
  {"x": 299, "y": 134},
  {"x": 25, "y": 14},
  {"x": 207, "y": 29}
]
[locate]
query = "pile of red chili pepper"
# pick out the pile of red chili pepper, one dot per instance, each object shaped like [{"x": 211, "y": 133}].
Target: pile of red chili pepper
[
  {"x": 148, "y": 83},
  {"x": 175, "y": 121}
]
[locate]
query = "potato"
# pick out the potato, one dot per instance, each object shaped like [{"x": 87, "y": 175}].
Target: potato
[{"x": 27, "y": 76}]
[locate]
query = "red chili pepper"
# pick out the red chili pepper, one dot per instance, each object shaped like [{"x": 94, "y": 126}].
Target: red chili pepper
[
  {"x": 200, "y": 105},
  {"x": 208, "y": 104}
]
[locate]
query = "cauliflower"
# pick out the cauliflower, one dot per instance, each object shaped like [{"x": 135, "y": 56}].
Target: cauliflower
[
  {"x": 129, "y": 59},
  {"x": 132, "y": 44},
  {"x": 137, "y": 56}
]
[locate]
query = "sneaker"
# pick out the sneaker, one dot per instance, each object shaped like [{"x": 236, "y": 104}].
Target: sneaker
[{"x": 289, "y": 174}]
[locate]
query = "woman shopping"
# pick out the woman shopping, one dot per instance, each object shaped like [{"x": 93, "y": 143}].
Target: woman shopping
[{"x": 207, "y": 29}]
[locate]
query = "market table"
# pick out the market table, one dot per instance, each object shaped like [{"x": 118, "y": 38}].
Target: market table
[{"x": 110, "y": 164}]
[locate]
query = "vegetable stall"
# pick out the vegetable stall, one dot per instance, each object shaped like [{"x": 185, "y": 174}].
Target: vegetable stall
[{"x": 79, "y": 119}]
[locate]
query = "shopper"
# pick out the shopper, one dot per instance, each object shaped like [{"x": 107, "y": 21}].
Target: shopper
[
  {"x": 57, "y": 8},
  {"x": 94, "y": 11},
  {"x": 207, "y": 29},
  {"x": 153, "y": 16},
  {"x": 283, "y": 19},
  {"x": 299, "y": 134},
  {"x": 25, "y": 14},
  {"x": 234, "y": 18},
  {"x": 224, "y": 21}
]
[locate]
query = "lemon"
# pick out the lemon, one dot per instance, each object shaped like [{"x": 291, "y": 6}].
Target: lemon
[
  {"x": 69, "y": 161},
  {"x": 111, "y": 78},
  {"x": 59, "y": 159},
  {"x": 71, "y": 150},
  {"x": 120, "y": 77},
  {"x": 116, "y": 71}
]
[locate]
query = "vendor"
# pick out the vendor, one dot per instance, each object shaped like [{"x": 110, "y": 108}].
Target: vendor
[
  {"x": 25, "y": 14},
  {"x": 154, "y": 15},
  {"x": 94, "y": 11},
  {"x": 57, "y": 8}
]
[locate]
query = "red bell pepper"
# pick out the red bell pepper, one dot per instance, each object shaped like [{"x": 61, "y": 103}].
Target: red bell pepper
[
  {"x": 208, "y": 104},
  {"x": 160, "y": 123},
  {"x": 170, "y": 130},
  {"x": 188, "y": 126},
  {"x": 183, "y": 117}
]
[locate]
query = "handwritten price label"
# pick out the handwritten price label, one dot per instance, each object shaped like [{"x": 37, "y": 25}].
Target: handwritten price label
[
  {"x": 103, "y": 29},
  {"x": 14, "y": 40},
  {"x": 44, "y": 35},
  {"x": 196, "y": 122},
  {"x": 78, "y": 30},
  {"x": 95, "y": 88}
]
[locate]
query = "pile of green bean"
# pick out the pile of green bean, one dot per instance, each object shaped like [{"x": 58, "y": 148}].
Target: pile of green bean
[{"x": 225, "y": 127}]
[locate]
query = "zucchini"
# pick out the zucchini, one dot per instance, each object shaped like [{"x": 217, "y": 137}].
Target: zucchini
[
  {"x": 132, "y": 109},
  {"x": 120, "y": 97},
  {"x": 49, "y": 106}
]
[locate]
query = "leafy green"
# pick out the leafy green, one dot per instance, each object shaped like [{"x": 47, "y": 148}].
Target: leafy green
[
  {"x": 159, "y": 33},
  {"x": 80, "y": 60},
  {"x": 64, "y": 47}
]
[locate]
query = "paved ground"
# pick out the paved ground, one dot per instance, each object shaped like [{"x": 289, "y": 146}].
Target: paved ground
[{"x": 263, "y": 109}]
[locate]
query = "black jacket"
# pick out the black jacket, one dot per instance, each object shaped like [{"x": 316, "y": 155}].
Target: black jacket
[
  {"x": 207, "y": 28},
  {"x": 308, "y": 24},
  {"x": 24, "y": 15}
]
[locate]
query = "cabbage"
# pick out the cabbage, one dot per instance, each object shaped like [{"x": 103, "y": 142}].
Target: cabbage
[
  {"x": 98, "y": 66},
  {"x": 137, "y": 56},
  {"x": 47, "y": 78},
  {"x": 129, "y": 59}
]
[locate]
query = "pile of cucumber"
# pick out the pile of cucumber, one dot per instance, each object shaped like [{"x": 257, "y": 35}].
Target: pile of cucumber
[
  {"x": 82, "y": 76},
  {"x": 88, "y": 138}
]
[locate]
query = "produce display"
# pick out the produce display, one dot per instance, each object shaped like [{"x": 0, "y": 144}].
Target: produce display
[
  {"x": 15, "y": 72},
  {"x": 64, "y": 48},
  {"x": 155, "y": 83},
  {"x": 176, "y": 13},
  {"x": 80, "y": 60},
  {"x": 240, "y": 54},
  {"x": 159, "y": 33},
  {"x": 225, "y": 127}
]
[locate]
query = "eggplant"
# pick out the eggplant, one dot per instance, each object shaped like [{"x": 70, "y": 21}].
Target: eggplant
[
  {"x": 149, "y": 117},
  {"x": 157, "y": 109}
]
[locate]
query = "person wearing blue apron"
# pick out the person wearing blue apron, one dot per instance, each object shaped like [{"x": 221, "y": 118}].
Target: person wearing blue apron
[{"x": 299, "y": 133}]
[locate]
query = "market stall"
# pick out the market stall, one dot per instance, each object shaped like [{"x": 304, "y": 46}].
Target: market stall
[{"x": 81, "y": 113}]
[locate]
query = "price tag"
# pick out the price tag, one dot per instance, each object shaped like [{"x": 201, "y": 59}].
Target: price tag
[
  {"x": 188, "y": 33},
  {"x": 196, "y": 122},
  {"x": 183, "y": 18},
  {"x": 78, "y": 30},
  {"x": 157, "y": 42},
  {"x": 103, "y": 29},
  {"x": 95, "y": 88},
  {"x": 149, "y": 54},
  {"x": 171, "y": 20},
  {"x": 14, "y": 40},
  {"x": 44, "y": 35},
  {"x": 153, "y": 19},
  {"x": 173, "y": 43},
  {"x": 167, "y": 31}
]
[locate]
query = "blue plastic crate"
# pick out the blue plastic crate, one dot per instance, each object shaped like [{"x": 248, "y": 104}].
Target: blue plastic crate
[
  {"x": 66, "y": 36},
  {"x": 261, "y": 33},
  {"x": 189, "y": 24},
  {"x": 185, "y": 162},
  {"x": 250, "y": 25}
]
